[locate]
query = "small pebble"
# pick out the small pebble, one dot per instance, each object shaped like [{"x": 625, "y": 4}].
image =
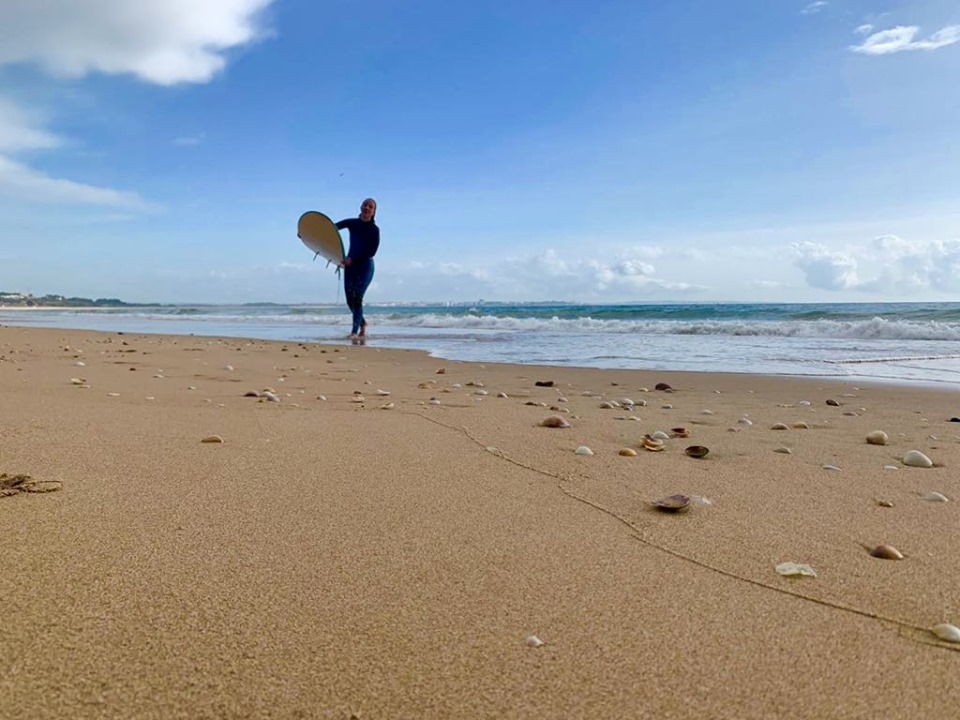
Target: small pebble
[
  {"x": 877, "y": 437},
  {"x": 915, "y": 458},
  {"x": 886, "y": 552},
  {"x": 555, "y": 421},
  {"x": 885, "y": 503},
  {"x": 627, "y": 452},
  {"x": 666, "y": 407},
  {"x": 534, "y": 642},
  {"x": 947, "y": 632}
]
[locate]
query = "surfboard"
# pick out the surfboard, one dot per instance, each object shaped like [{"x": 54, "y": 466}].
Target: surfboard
[{"x": 318, "y": 233}]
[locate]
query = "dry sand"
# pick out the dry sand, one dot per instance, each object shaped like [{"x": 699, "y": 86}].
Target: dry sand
[{"x": 333, "y": 559}]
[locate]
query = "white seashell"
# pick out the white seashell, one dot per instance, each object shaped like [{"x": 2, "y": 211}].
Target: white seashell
[
  {"x": 627, "y": 401},
  {"x": 77, "y": 381},
  {"x": 150, "y": 397},
  {"x": 800, "y": 426},
  {"x": 784, "y": 451},
  {"x": 534, "y": 642},
  {"x": 586, "y": 393},
  {"x": 270, "y": 396},
  {"x": 745, "y": 421},
  {"x": 502, "y": 395},
  {"x": 456, "y": 386},
  {"x": 706, "y": 412},
  {"x": 388, "y": 406},
  {"x": 113, "y": 394},
  {"x": 321, "y": 397},
  {"x": 668, "y": 406},
  {"x": 480, "y": 392},
  {"x": 789, "y": 569},
  {"x": 607, "y": 406},
  {"x": 562, "y": 400},
  {"x": 779, "y": 426},
  {"x": 434, "y": 401},
  {"x": 191, "y": 387},
  {"x": 660, "y": 435},
  {"x": 915, "y": 458},
  {"x": 641, "y": 403},
  {"x": 228, "y": 367},
  {"x": 877, "y": 437},
  {"x": 803, "y": 402},
  {"x": 583, "y": 450},
  {"x": 935, "y": 497},
  {"x": 80, "y": 363},
  {"x": 383, "y": 392},
  {"x": 890, "y": 467},
  {"x": 830, "y": 467},
  {"x": 946, "y": 632}
]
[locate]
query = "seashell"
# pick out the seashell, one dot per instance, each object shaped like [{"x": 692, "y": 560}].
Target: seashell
[
  {"x": 784, "y": 450},
  {"x": 652, "y": 445},
  {"x": 534, "y": 642},
  {"x": 212, "y": 439},
  {"x": 607, "y": 405},
  {"x": 831, "y": 467},
  {"x": 885, "y": 503},
  {"x": 383, "y": 392},
  {"x": 321, "y": 397},
  {"x": 792, "y": 569},
  {"x": 502, "y": 395},
  {"x": 269, "y": 396},
  {"x": 113, "y": 394},
  {"x": 555, "y": 421},
  {"x": 269, "y": 390},
  {"x": 890, "y": 467},
  {"x": 674, "y": 503},
  {"x": 666, "y": 407},
  {"x": 660, "y": 435},
  {"x": 800, "y": 426},
  {"x": 706, "y": 412},
  {"x": 779, "y": 426},
  {"x": 583, "y": 450},
  {"x": 680, "y": 432},
  {"x": 833, "y": 403},
  {"x": 544, "y": 383},
  {"x": 935, "y": 497},
  {"x": 627, "y": 401},
  {"x": 441, "y": 371},
  {"x": 663, "y": 387},
  {"x": 946, "y": 632},
  {"x": 388, "y": 406},
  {"x": 641, "y": 403},
  {"x": 251, "y": 393},
  {"x": 480, "y": 392},
  {"x": 803, "y": 402},
  {"x": 562, "y": 400},
  {"x": 877, "y": 437},
  {"x": 851, "y": 413},
  {"x": 915, "y": 458},
  {"x": 745, "y": 421},
  {"x": 456, "y": 386},
  {"x": 80, "y": 363},
  {"x": 77, "y": 381},
  {"x": 627, "y": 452},
  {"x": 696, "y": 451},
  {"x": 426, "y": 385},
  {"x": 886, "y": 552}
]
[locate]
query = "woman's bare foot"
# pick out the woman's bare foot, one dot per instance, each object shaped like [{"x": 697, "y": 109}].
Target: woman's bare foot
[
  {"x": 352, "y": 336},
  {"x": 363, "y": 330}
]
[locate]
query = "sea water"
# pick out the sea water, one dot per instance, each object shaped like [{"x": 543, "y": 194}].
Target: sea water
[{"x": 898, "y": 342}]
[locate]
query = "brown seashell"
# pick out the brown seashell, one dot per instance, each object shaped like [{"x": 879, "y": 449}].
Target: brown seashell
[
  {"x": 627, "y": 452},
  {"x": 674, "y": 503},
  {"x": 696, "y": 451},
  {"x": 544, "y": 383},
  {"x": 652, "y": 444},
  {"x": 212, "y": 439},
  {"x": 663, "y": 387},
  {"x": 833, "y": 403},
  {"x": 800, "y": 426},
  {"x": 680, "y": 432},
  {"x": 441, "y": 371},
  {"x": 555, "y": 421},
  {"x": 886, "y": 552},
  {"x": 885, "y": 503}
]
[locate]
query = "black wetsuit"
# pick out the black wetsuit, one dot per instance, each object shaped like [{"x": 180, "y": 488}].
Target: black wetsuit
[{"x": 364, "y": 242}]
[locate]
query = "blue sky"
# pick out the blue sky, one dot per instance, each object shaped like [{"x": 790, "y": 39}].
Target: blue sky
[{"x": 756, "y": 150}]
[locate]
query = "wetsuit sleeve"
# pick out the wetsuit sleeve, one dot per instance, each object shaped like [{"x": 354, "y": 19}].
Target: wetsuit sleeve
[
  {"x": 364, "y": 246},
  {"x": 344, "y": 223}
]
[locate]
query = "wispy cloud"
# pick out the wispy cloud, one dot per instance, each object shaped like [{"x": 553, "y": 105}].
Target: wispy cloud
[
  {"x": 23, "y": 183},
  {"x": 19, "y": 130},
  {"x": 188, "y": 140},
  {"x": 814, "y": 7},
  {"x": 864, "y": 29},
  {"x": 903, "y": 38}
]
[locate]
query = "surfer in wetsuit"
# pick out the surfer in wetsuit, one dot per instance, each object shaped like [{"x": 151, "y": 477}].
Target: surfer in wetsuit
[{"x": 358, "y": 264}]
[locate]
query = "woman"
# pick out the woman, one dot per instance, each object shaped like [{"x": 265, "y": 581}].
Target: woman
[{"x": 358, "y": 264}]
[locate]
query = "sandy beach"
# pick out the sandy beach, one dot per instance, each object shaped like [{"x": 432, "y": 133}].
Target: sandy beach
[{"x": 388, "y": 537}]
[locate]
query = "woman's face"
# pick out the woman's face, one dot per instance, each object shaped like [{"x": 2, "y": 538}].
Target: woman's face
[{"x": 367, "y": 209}]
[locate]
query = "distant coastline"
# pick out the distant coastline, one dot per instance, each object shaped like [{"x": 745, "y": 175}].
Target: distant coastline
[{"x": 16, "y": 300}]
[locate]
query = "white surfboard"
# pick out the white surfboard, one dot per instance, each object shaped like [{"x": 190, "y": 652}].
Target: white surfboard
[{"x": 318, "y": 233}]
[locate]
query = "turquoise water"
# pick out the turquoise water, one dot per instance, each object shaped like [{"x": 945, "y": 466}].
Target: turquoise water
[{"x": 899, "y": 342}]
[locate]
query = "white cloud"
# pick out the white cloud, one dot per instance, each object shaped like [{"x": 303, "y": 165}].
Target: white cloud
[
  {"x": 902, "y": 38},
  {"x": 23, "y": 183},
  {"x": 160, "y": 41},
  {"x": 864, "y": 29},
  {"x": 19, "y": 131},
  {"x": 814, "y": 7},
  {"x": 825, "y": 269}
]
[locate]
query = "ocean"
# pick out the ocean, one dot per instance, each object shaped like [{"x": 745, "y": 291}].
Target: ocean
[{"x": 904, "y": 343}]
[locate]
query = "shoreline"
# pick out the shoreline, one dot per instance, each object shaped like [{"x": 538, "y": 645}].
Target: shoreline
[{"x": 356, "y": 548}]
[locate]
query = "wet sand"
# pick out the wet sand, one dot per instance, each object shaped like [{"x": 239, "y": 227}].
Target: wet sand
[{"x": 331, "y": 558}]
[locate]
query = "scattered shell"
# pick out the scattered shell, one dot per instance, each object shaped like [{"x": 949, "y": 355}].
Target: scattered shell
[
  {"x": 890, "y": 467},
  {"x": 680, "y": 432},
  {"x": 851, "y": 413},
  {"x": 272, "y": 397},
  {"x": 534, "y": 642},
  {"x": 627, "y": 452},
  {"x": 480, "y": 392},
  {"x": 915, "y": 458},
  {"x": 666, "y": 407},
  {"x": 544, "y": 383},
  {"x": 80, "y": 363},
  {"x": 885, "y": 503},
  {"x": 228, "y": 367},
  {"x": 674, "y": 503},
  {"x": 113, "y": 394},
  {"x": 641, "y": 403},
  {"x": 784, "y": 450},
  {"x": 383, "y": 392},
  {"x": 664, "y": 387},
  {"x": 886, "y": 552},
  {"x": 790, "y": 569},
  {"x": 555, "y": 421},
  {"x": 830, "y": 467},
  {"x": 877, "y": 437},
  {"x": 935, "y": 497},
  {"x": 696, "y": 451},
  {"x": 502, "y": 395},
  {"x": 800, "y": 426},
  {"x": 251, "y": 393},
  {"x": 833, "y": 403},
  {"x": 946, "y": 632},
  {"x": 212, "y": 439},
  {"x": 434, "y": 401},
  {"x": 583, "y": 450},
  {"x": 426, "y": 385},
  {"x": 607, "y": 405},
  {"x": 534, "y": 403},
  {"x": 803, "y": 402},
  {"x": 652, "y": 445},
  {"x": 745, "y": 421},
  {"x": 706, "y": 412},
  {"x": 441, "y": 371},
  {"x": 77, "y": 381},
  {"x": 388, "y": 406},
  {"x": 779, "y": 426},
  {"x": 660, "y": 435}
]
